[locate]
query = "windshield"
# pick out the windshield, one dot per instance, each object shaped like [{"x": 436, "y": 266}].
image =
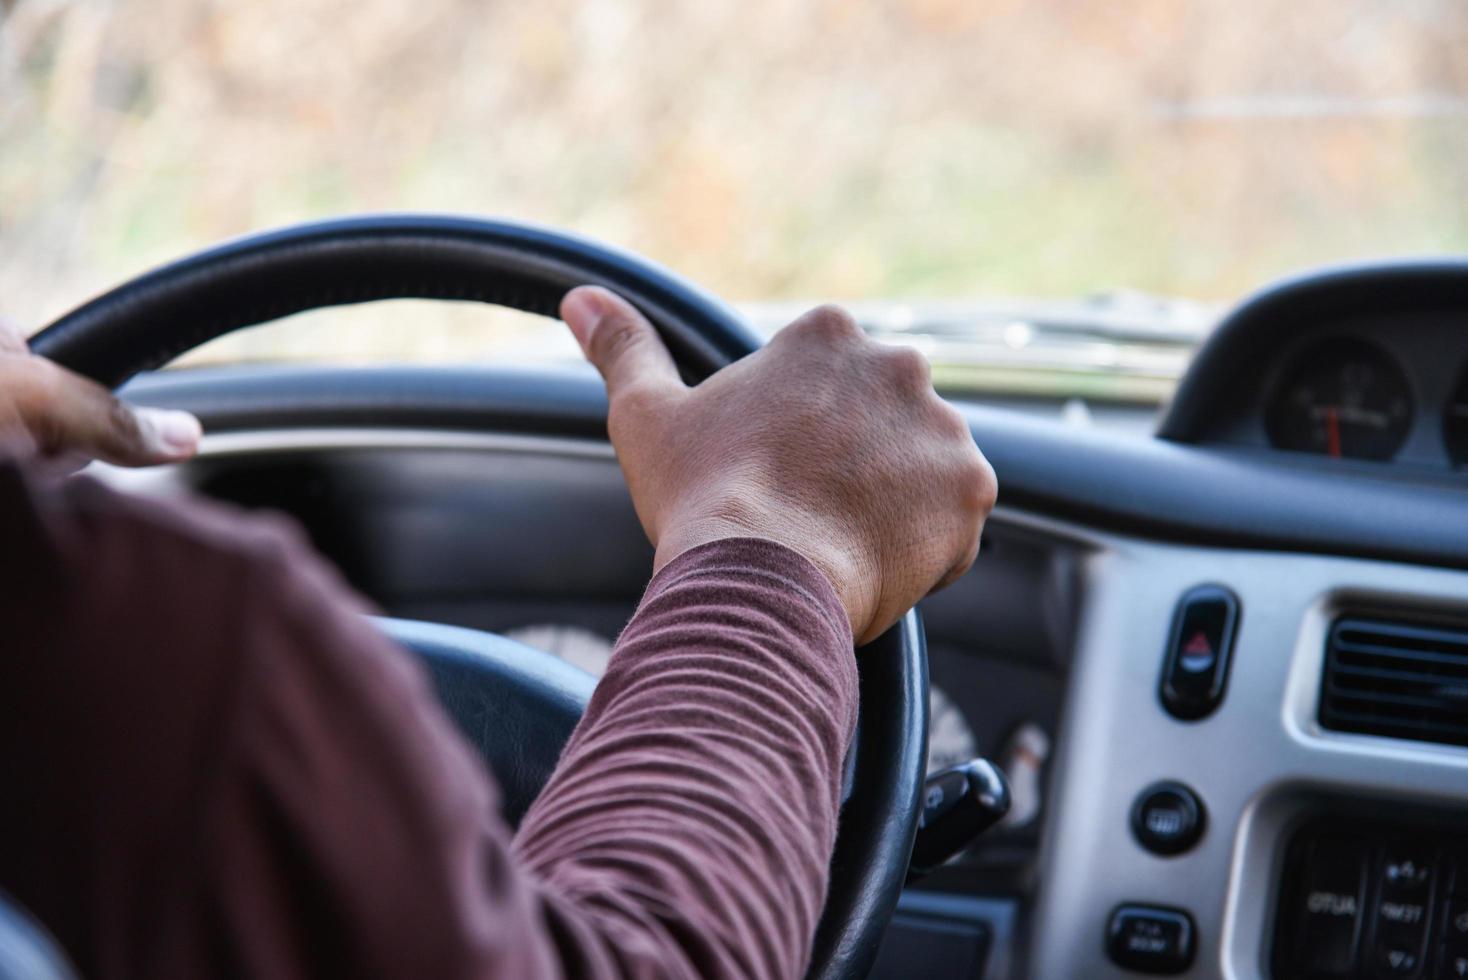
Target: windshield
[{"x": 1045, "y": 195}]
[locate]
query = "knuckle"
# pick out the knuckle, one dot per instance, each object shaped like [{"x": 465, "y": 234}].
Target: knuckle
[
  {"x": 830, "y": 323},
  {"x": 977, "y": 496},
  {"x": 121, "y": 422},
  {"x": 981, "y": 484},
  {"x": 910, "y": 370},
  {"x": 613, "y": 337},
  {"x": 950, "y": 421}
]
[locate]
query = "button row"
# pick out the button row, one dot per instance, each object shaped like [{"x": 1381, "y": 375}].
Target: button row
[{"x": 1392, "y": 908}]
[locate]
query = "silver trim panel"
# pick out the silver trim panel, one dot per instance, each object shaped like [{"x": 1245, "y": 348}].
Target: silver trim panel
[
  {"x": 165, "y": 480},
  {"x": 1255, "y": 762}
]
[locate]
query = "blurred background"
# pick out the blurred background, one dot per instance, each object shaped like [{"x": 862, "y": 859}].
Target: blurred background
[{"x": 1072, "y": 185}]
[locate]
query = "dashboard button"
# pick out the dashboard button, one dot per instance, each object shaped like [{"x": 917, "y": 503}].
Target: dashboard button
[
  {"x": 1150, "y": 939},
  {"x": 1394, "y": 959},
  {"x": 1168, "y": 818},
  {"x": 1329, "y": 929},
  {"x": 1409, "y": 916},
  {"x": 1195, "y": 668},
  {"x": 1406, "y": 869},
  {"x": 1403, "y": 908},
  {"x": 1452, "y": 964}
]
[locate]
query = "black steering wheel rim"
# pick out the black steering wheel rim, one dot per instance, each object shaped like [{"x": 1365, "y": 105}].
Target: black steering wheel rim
[
  {"x": 148, "y": 321},
  {"x": 152, "y": 319}
]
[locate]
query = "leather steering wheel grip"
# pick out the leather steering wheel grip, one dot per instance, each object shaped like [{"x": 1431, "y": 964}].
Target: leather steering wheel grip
[
  {"x": 152, "y": 319},
  {"x": 149, "y": 321},
  {"x": 879, "y": 819}
]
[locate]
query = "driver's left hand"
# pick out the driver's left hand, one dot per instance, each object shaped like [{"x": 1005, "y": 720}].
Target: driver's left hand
[{"x": 67, "y": 420}]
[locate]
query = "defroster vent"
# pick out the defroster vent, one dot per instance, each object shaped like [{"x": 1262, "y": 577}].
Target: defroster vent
[{"x": 1396, "y": 679}]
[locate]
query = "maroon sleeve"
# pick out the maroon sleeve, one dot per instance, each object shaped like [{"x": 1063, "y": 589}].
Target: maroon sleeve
[
  {"x": 692, "y": 816},
  {"x": 240, "y": 776}
]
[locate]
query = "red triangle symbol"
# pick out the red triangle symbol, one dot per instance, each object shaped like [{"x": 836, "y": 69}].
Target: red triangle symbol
[{"x": 1198, "y": 646}]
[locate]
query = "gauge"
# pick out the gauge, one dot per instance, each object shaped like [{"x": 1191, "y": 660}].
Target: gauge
[
  {"x": 1455, "y": 423},
  {"x": 1342, "y": 398}
]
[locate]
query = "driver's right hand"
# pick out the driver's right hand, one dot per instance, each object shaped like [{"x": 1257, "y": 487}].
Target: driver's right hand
[{"x": 824, "y": 441}]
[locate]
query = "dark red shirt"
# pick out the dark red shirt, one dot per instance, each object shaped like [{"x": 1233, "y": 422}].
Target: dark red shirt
[{"x": 212, "y": 764}]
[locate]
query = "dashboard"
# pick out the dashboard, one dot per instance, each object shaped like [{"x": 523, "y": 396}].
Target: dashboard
[{"x": 1244, "y": 641}]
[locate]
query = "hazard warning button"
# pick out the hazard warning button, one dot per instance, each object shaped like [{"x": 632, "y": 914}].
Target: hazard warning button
[{"x": 1195, "y": 668}]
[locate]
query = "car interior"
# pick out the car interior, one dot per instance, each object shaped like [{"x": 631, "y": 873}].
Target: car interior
[
  {"x": 1243, "y": 637},
  {"x": 1199, "y": 709}
]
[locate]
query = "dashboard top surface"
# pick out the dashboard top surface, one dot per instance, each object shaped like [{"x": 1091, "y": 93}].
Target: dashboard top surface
[{"x": 1205, "y": 494}]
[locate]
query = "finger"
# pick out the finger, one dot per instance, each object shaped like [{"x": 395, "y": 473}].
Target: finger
[
  {"x": 12, "y": 341},
  {"x": 67, "y": 413},
  {"x": 965, "y": 562},
  {"x": 618, "y": 341},
  {"x": 983, "y": 493}
]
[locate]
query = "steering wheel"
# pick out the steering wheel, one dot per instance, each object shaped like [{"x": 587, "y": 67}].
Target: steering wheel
[{"x": 518, "y": 705}]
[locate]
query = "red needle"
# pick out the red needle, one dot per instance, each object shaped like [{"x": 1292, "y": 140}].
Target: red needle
[{"x": 1333, "y": 432}]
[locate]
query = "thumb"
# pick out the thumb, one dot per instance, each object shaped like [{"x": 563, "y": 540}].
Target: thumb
[
  {"x": 71, "y": 414},
  {"x": 618, "y": 341}
]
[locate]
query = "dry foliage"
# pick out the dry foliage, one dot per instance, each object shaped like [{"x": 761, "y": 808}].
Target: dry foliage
[{"x": 768, "y": 148}]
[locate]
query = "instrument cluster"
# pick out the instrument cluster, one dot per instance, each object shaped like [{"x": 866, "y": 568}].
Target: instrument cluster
[{"x": 1347, "y": 397}]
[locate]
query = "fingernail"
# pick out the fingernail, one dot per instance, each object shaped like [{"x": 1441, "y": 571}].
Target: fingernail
[
  {"x": 582, "y": 309},
  {"x": 170, "y": 432}
]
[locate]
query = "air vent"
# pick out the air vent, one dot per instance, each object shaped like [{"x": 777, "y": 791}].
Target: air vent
[{"x": 1396, "y": 679}]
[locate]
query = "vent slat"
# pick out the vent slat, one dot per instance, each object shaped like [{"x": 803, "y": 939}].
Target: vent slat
[
  {"x": 1434, "y": 685},
  {"x": 1416, "y": 730},
  {"x": 1409, "y": 721},
  {"x": 1396, "y": 679},
  {"x": 1401, "y": 634},
  {"x": 1423, "y": 677},
  {"x": 1401, "y": 708},
  {"x": 1396, "y": 653}
]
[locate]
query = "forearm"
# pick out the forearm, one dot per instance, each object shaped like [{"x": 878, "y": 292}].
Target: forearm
[{"x": 691, "y": 819}]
